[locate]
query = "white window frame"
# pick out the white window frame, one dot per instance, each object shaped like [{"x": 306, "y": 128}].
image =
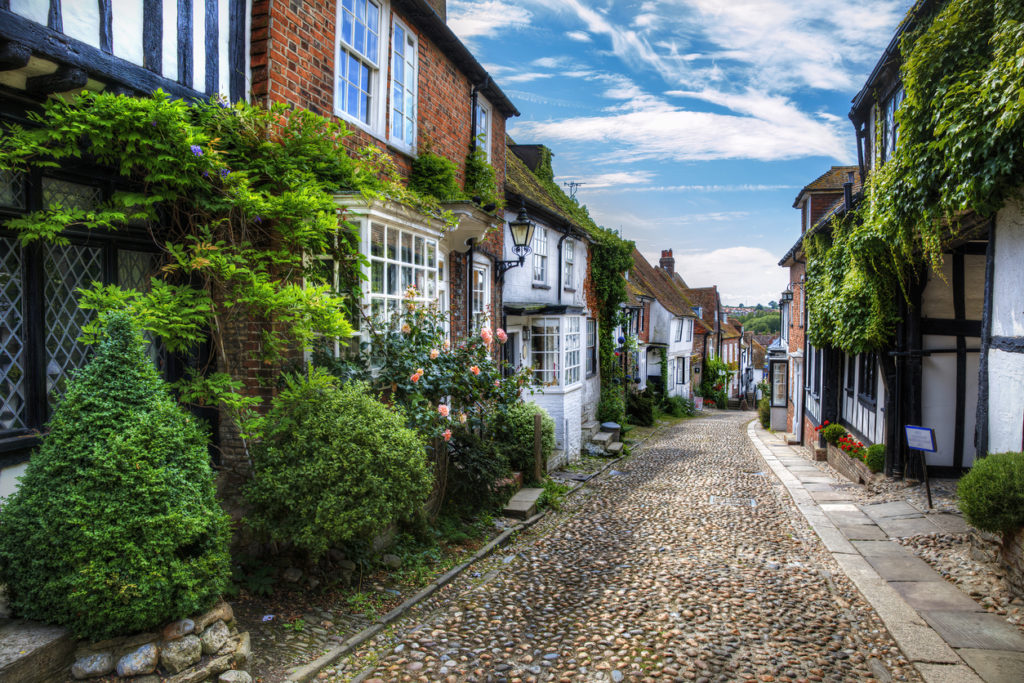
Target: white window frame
[
  {"x": 573, "y": 350},
  {"x": 481, "y": 296},
  {"x": 569, "y": 269},
  {"x": 376, "y": 113},
  {"x": 689, "y": 330},
  {"x": 410, "y": 43},
  {"x": 424, "y": 272},
  {"x": 680, "y": 371},
  {"x": 540, "y": 254},
  {"x": 542, "y": 374},
  {"x": 679, "y": 330},
  {"x": 484, "y": 110},
  {"x": 592, "y": 344}
]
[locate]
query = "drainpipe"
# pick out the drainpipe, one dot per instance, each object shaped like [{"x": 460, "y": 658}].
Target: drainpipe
[
  {"x": 469, "y": 288},
  {"x": 558, "y": 284}
]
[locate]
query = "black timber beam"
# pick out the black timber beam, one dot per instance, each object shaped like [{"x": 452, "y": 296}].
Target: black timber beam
[
  {"x": 105, "y": 67},
  {"x": 13, "y": 55},
  {"x": 63, "y": 79}
]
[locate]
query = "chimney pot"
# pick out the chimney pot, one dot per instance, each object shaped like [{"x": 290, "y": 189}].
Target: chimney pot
[{"x": 667, "y": 263}]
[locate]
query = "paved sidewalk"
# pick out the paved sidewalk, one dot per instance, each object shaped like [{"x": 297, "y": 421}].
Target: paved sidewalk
[{"x": 946, "y": 634}]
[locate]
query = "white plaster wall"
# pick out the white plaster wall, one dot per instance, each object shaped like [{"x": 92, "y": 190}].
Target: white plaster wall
[
  {"x": 938, "y": 401},
  {"x": 591, "y": 397},
  {"x": 518, "y": 286},
  {"x": 660, "y": 331},
  {"x": 1008, "y": 274},
  {"x": 35, "y": 10},
  {"x": 9, "y": 479},
  {"x": 126, "y": 30},
  {"x": 1005, "y": 407},
  {"x": 565, "y": 408}
]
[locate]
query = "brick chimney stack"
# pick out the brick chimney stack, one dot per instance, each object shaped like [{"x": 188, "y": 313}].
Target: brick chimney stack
[{"x": 667, "y": 263}]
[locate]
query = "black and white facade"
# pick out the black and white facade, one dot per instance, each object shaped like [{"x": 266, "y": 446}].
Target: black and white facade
[{"x": 188, "y": 48}]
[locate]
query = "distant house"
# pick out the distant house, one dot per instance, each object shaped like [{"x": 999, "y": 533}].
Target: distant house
[{"x": 549, "y": 309}]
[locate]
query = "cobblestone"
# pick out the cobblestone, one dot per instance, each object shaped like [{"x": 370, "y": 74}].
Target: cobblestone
[{"x": 641, "y": 577}]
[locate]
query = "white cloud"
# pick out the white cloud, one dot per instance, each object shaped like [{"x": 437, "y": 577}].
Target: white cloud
[
  {"x": 525, "y": 77},
  {"x": 743, "y": 274},
  {"x": 644, "y": 127},
  {"x": 616, "y": 179},
  {"x": 716, "y": 188},
  {"x": 579, "y": 36},
  {"x": 474, "y": 18}
]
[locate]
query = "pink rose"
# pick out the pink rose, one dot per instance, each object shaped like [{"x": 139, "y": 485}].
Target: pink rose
[
  {"x": 475, "y": 370},
  {"x": 434, "y": 353},
  {"x": 406, "y": 329},
  {"x": 502, "y": 337},
  {"x": 415, "y": 377},
  {"x": 443, "y": 409},
  {"x": 485, "y": 334},
  {"x": 497, "y": 382},
  {"x": 447, "y": 345},
  {"x": 447, "y": 435}
]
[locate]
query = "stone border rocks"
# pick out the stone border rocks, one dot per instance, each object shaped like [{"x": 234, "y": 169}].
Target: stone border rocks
[{"x": 205, "y": 647}]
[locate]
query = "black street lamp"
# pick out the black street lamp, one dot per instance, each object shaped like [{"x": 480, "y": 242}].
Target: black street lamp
[{"x": 522, "y": 234}]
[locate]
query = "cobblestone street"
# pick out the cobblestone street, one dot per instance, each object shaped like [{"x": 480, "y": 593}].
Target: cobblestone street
[{"x": 689, "y": 562}]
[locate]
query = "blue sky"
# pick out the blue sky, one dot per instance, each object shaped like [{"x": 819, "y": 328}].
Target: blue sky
[{"x": 692, "y": 123}]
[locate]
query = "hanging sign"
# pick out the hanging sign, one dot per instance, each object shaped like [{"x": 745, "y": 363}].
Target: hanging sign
[{"x": 920, "y": 438}]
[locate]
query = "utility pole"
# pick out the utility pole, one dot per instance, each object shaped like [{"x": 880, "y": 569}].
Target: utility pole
[{"x": 573, "y": 186}]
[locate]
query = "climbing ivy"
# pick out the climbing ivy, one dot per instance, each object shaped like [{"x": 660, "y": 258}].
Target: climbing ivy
[
  {"x": 237, "y": 198},
  {"x": 960, "y": 131}
]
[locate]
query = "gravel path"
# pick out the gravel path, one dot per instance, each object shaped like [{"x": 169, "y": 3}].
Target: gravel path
[{"x": 642, "y": 577}]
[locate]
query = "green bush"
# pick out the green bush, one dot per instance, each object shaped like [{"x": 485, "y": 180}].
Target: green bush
[
  {"x": 434, "y": 175},
  {"x": 640, "y": 408},
  {"x": 677, "y": 406},
  {"x": 876, "y": 457},
  {"x": 514, "y": 432},
  {"x": 475, "y": 465},
  {"x": 764, "y": 411},
  {"x": 611, "y": 407},
  {"x": 336, "y": 466},
  {"x": 832, "y": 433},
  {"x": 115, "y": 527},
  {"x": 991, "y": 495}
]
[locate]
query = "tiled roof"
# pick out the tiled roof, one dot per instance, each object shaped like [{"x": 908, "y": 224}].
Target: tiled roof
[
  {"x": 660, "y": 285},
  {"x": 707, "y": 299},
  {"x": 830, "y": 181},
  {"x": 520, "y": 181}
]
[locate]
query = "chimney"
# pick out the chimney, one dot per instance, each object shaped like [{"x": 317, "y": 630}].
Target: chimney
[
  {"x": 848, "y": 192},
  {"x": 667, "y": 263},
  {"x": 441, "y": 7}
]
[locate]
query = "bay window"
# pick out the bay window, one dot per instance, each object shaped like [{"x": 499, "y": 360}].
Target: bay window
[
  {"x": 572, "y": 351},
  {"x": 400, "y": 262},
  {"x": 545, "y": 348}
]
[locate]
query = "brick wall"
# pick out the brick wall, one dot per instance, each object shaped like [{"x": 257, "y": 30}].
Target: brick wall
[
  {"x": 821, "y": 203},
  {"x": 796, "y": 332}
]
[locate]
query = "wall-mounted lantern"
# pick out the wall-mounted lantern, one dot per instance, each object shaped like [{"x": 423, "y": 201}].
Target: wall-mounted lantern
[{"x": 522, "y": 234}]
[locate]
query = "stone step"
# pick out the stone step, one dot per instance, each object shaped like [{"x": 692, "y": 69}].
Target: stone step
[
  {"x": 602, "y": 438},
  {"x": 524, "y": 504},
  {"x": 34, "y": 653},
  {"x": 614, "y": 448},
  {"x": 590, "y": 428}
]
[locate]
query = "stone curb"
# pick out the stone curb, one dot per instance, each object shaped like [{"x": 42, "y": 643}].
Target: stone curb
[
  {"x": 309, "y": 671},
  {"x": 933, "y": 658}
]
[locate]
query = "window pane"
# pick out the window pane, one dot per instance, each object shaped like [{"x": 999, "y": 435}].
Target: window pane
[
  {"x": 399, "y": 74},
  {"x": 377, "y": 240},
  {"x": 431, "y": 252},
  {"x": 70, "y": 195},
  {"x": 406, "y": 277},
  {"x": 371, "y": 46},
  {"x": 392, "y": 244},
  {"x": 397, "y": 121},
  {"x": 377, "y": 278},
  {"x": 421, "y": 286},
  {"x": 346, "y": 27},
  {"x": 372, "y": 17},
  {"x": 418, "y": 251},
  {"x": 66, "y": 269},
  {"x": 399, "y": 46},
  {"x": 352, "y": 101},
  {"x": 393, "y": 280},
  {"x": 406, "y": 248},
  {"x": 12, "y": 189},
  {"x": 12, "y": 359}
]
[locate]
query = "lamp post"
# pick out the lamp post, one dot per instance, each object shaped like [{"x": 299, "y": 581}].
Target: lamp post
[{"x": 522, "y": 234}]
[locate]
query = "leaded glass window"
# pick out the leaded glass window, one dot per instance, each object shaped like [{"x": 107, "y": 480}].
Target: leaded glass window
[
  {"x": 70, "y": 195},
  {"x": 12, "y": 189},
  {"x": 66, "y": 268},
  {"x": 12, "y": 345}
]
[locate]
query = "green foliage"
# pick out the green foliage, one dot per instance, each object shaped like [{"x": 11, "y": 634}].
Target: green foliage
[
  {"x": 115, "y": 527},
  {"x": 875, "y": 457},
  {"x": 434, "y": 176},
  {"x": 336, "y": 466},
  {"x": 764, "y": 404},
  {"x": 714, "y": 381},
  {"x": 612, "y": 405},
  {"x": 765, "y": 321},
  {"x": 480, "y": 178},
  {"x": 991, "y": 495},
  {"x": 475, "y": 466},
  {"x": 832, "y": 433},
  {"x": 553, "y": 495},
  {"x": 959, "y": 151},
  {"x": 236, "y": 198},
  {"x": 679, "y": 406},
  {"x": 514, "y": 431},
  {"x": 640, "y": 407}
]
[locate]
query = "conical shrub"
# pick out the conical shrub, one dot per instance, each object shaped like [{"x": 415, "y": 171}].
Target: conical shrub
[{"x": 115, "y": 527}]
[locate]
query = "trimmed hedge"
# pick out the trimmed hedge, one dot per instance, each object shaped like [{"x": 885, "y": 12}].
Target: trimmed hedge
[
  {"x": 115, "y": 528},
  {"x": 875, "y": 458},
  {"x": 833, "y": 432},
  {"x": 991, "y": 495},
  {"x": 336, "y": 466}
]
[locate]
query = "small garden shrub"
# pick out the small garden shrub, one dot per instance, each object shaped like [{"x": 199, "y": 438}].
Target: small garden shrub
[
  {"x": 640, "y": 408},
  {"x": 678, "y": 406},
  {"x": 832, "y": 433},
  {"x": 116, "y": 528},
  {"x": 991, "y": 495},
  {"x": 611, "y": 407},
  {"x": 434, "y": 176},
  {"x": 875, "y": 458},
  {"x": 336, "y": 466},
  {"x": 514, "y": 434},
  {"x": 475, "y": 465},
  {"x": 554, "y": 493}
]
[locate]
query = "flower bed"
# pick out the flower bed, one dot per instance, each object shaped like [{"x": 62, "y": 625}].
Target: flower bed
[{"x": 849, "y": 466}]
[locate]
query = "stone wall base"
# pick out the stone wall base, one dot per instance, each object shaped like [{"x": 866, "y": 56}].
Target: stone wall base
[
  {"x": 851, "y": 468},
  {"x": 1011, "y": 557}
]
